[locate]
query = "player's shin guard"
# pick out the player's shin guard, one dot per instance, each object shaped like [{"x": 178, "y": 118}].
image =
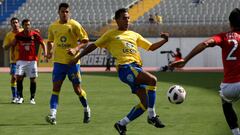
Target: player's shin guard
[
  {"x": 54, "y": 100},
  {"x": 135, "y": 112},
  {"x": 151, "y": 93},
  {"x": 33, "y": 88},
  {"x": 230, "y": 115},
  {"x": 83, "y": 98},
  {"x": 20, "y": 88},
  {"x": 14, "y": 89}
]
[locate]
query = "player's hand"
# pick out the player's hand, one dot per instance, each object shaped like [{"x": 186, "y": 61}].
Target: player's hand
[
  {"x": 49, "y": 56},
  {"x": 178, "y": 64},
  {"x": 164, "y": 35},
  {"x": 71, "y": 51}
]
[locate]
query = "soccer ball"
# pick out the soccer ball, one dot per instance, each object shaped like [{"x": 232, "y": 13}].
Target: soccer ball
[{"x": 176, "y": 94}]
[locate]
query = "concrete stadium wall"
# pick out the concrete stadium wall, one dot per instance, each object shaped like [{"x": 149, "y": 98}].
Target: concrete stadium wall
[{"x": 211, "y": 57}]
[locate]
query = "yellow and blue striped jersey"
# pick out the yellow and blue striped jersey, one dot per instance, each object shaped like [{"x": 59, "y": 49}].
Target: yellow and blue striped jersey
[
  {"x": 65, "y": 36},
  {"x": 10, "y": 36},
  {"x": 123, "y": 45}
]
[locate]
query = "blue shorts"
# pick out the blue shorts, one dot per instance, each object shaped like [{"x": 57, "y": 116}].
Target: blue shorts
[
  {"x": 61, "y": 70},
  {"x": 13, "y": 68},
  {"x": 128, "y": 74}
]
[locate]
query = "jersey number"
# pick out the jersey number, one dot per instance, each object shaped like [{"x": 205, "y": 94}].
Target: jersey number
[{"x": 230, "y": 55}]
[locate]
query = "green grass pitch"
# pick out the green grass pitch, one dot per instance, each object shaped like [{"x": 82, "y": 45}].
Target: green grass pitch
[{"x": 110, "y": 100}]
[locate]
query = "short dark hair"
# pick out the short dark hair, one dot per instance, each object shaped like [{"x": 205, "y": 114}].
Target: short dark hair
[
  {"x": 65, "y": 5},
  {"x": 234, "y": 18},
  {"x": 119, "y": 12},
  {"x": 14, "y": 18},
  {"x": 24, "y": 21}
]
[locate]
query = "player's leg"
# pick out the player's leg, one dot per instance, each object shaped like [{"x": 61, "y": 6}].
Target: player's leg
[
  {"x": 20, "y": 71},
  {"x": 20, "y": 88},
  {"x": 51, "y": 118},
  {"x": 75, "y": 77},
  {"x": 33, "y": 87},
  {"x": 58, "y": 76},
  {"x": 230, "y": 93},
  {"x": 13, "y": 82},
  {"x": 32, "y": 72},
  {"x": 230, "y": 117},
  {"x": 137, "y": 110},
  {"x": 127, "y": 74},
  {"x": 150, "y": 81}
]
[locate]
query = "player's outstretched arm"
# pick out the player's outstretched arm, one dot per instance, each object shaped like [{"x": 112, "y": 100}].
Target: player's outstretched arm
[
  {"x": 198, "y": 49},
  {"x": 74, "y": 51},
  {"x": 157, "y": 45},
  {"x": 85, "y": 51}
]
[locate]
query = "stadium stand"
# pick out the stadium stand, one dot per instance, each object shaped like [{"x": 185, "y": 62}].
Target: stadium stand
[
  {"x": 92, "y": 14},
  {"x": 180, "y": 17},
  {"x": 7, "y": 7},
  {"x": 136, "y": 10},
  {"x": 184, "y": 12}
]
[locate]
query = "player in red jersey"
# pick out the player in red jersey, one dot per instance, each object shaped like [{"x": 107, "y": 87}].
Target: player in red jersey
[
  {"x": 27, "y": 41},
  {"x": 230, "y": 86}
]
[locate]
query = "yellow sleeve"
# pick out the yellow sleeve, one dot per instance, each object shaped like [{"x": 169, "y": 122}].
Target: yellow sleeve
[
  {"x": 81, "y": 33},
  {"x": 102, "y": 41},
  {"x": 143, "y": 43}
]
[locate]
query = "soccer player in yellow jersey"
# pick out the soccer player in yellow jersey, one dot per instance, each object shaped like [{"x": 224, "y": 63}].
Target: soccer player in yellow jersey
[
  {"x": 123, "y": 45},
  {"x": 9, "y": 38},
  {"x": 63, "y": 36}
]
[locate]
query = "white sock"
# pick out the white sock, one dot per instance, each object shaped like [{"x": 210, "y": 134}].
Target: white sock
[
  {"x": 236, "y": 131},
  {"x": 151, "y": 112},
  {"x": 87, "y": 109},
  {"x": 53, "y": 112},
  {"x": 124, "y": 121}
]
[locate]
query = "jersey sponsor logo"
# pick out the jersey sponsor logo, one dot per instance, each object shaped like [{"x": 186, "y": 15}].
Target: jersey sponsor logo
[
  {"x": 26, "y": 46},
  {"x": 130, "y": 78},
  {"x": 63, "y": 45},
  {"x": 129, "y": 48}
]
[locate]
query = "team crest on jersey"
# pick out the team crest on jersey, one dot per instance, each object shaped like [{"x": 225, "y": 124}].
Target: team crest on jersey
[
  {"x": 130, "y": 78},
  {"x": 63, "y": 39}
]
